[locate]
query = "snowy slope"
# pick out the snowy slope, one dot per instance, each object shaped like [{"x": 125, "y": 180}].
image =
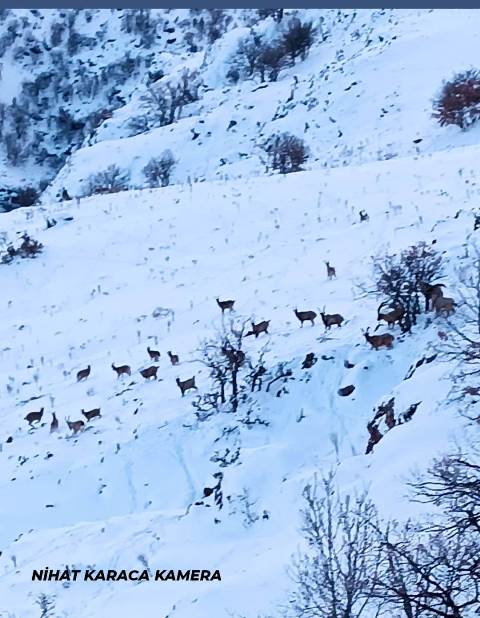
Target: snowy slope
[
  {"x": 121, "y": 494},
  {"x": 364, "y": 94},
  {"x": 127, "y": 482}
]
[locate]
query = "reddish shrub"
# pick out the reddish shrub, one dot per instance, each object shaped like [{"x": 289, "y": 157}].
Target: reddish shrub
[{"x": 458, "y": 102}]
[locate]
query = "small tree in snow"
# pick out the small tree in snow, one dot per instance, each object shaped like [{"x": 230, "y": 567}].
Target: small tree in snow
[
  {"x": 256, "y": 56},
  {"x": 111, "y": 180},
  {"x": 46, "y": 604},
  {"x": 399, "y": 278},
  {"x": 298, "y": 38},
  {"x": 270, "y": 61},
  {"x": 159, "y": 169},
  {"x": 234, "y": 374},
  {"x": 286, "y": 153},
  {"x": 245, "y": 59},
  {"x": 458, "y": 102},
  {"x": 226, "y": 362},
  {"x": 166, "y": 100}
]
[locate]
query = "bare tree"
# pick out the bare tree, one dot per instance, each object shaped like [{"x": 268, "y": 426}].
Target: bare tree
[
  {"x": 358, "y": 564},
  {"x": 245, "y": 504},
  {"x": 166, "y": 100},
  {"x": 111, "y": 180},
  {"x": 159, "y": 169},
  {"x": 228, "y": 366},
  {"x": 298, "y": 38},
  {"x": 335, "y": 577},
  {"x": 247, "y": 54},
  {"x": 469, "y": 289},
  {"x": 429, "y": 573},
  {"x": 453, "y": 482},
  {"x": 286, "y": 153},
  {"x": 46, "y": 604},
  {"x": 462, "y": 343},
  {"x": 255, "y": 56},
  {"x": 432, "y": 568},
  {"x": 399, "y": 278}
]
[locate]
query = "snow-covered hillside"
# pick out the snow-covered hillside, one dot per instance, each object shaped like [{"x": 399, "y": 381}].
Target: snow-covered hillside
[
  {"x": 144, "y": 267},
  {"x": 363, "y": 93}
]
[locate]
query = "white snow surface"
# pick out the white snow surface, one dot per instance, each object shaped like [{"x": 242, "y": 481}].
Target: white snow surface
[{"x": 122, "y": 492}]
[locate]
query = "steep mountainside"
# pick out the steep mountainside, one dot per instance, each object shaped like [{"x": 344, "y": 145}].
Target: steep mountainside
[{"x": 144, "y": 266}]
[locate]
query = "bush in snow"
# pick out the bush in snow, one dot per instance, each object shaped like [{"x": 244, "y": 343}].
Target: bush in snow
[
  {"x": 159, "y": 169},
  {"x": 298, "y": 38},
  {"x": 111, "y": 180},
  {"x": 29, "y": 248},
  {"x": 257, "y": 57},
  {"x": 165, "y": 101},
  {"x": 245, "y": 58},
  {"x": 25, "y": 197},
  {"x": 217, "y": 23},
  {"x": 458, "y": 102},
  {"x": 233, "y": 75},
  {"x": 286, "y": 153},
  {"x": 139, "y": 124},
  {"x": 399, "y": 278},
  {"x": 271, "y": 60}
]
